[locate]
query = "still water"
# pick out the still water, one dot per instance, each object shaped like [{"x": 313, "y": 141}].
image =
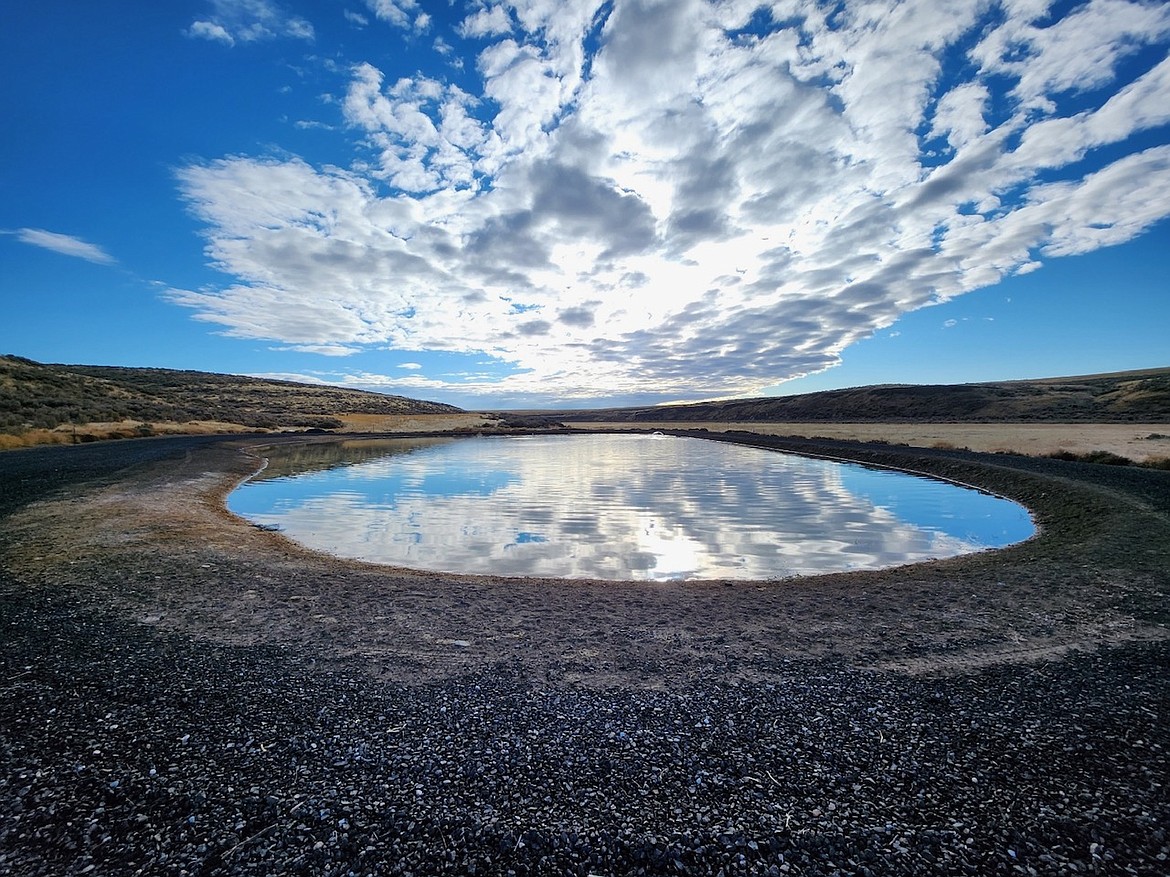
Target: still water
[{"x": 614, "y": 507}]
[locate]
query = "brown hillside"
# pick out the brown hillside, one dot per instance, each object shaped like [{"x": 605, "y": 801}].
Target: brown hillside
[
  {"x": 35, "y": 395},
  {"x": 1139, "y": 396}
]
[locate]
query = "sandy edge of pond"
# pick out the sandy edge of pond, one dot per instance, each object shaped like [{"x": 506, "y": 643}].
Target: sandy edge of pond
[{"x": 158, "y": 545}]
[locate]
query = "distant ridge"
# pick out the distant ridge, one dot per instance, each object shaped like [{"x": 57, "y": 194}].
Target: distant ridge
[
  {"x": 36, "y": 395},
  {"x": 1120, "y": 397}
]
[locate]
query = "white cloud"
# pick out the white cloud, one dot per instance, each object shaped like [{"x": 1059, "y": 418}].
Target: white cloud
[
  {"x": 959, "y": 114},
  {"x": 488, "y": 22},
  {"x": 294, "y": 377},
  {"x": 421, "y": 129},
  {"x": 642, "y": 198},
  {"x": 322, "y": 349},
  {"x": 1076, "y": 53},
  {"x": 312, "y": 125},
  {"x": 410, "y": 366},
  {"x": 395, "y": 12},
  {"x": 249, "y": 21},
  {"x": 66, "y": 245},
  {"x": 209, "y": 30}
]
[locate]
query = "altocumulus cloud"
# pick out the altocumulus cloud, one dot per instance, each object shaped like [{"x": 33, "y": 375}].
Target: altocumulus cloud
[
  {"x": 691, "y": 198},
  {"x": 248, "y": 21}
]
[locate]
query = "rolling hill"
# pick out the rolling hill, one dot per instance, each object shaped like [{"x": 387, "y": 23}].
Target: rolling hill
[
  {"x": 1122, "y": 397},
  {"x": 39, "y": 396}
]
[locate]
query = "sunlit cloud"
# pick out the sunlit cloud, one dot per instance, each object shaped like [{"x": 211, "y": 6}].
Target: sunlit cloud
[{"x": 689, "y": 199}]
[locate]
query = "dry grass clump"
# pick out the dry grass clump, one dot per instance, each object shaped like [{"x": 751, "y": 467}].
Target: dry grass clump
[
  {"x": 84, "y": 433},
  {"x": 31, "y": 437},
  {"x": 949, "y": 446},
  {"x": 1108, "y": 458}
]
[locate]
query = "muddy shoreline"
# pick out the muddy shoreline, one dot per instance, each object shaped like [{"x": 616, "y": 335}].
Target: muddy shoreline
[{"x": 979, "y": 715}]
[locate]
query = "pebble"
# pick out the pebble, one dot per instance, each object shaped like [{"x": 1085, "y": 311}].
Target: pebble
[
  {"x": 275, "y": 765},
  {"x": 259, "y": 760}
]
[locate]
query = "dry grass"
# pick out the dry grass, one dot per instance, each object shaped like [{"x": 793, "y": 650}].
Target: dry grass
[
  {"x": 354, "y": 424},
  {"x": 35, "y": 396},
  {"x": 1142, "y": 443},
  {"x": 102, "y": 431},
  {"x": 359, "y": 423},
  {"x": 32, "y": 437},
  {"x": 1139, "y": 442}
]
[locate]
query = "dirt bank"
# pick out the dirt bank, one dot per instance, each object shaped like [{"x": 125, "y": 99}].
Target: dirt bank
[{"x": 159, "y": 544}]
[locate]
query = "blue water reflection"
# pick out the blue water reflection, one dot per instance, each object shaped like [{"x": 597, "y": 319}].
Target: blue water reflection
[{"x": 620, "y": 507}]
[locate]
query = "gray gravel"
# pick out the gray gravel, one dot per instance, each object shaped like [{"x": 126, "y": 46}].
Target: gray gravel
[
  {"x": 127, "y": 754},
  {"x": 129, "y": 750}
]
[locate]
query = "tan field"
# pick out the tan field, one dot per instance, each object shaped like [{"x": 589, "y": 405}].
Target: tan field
[
  {"x": 358, "y": 423},
  {"x": 1140, "y": 442},
  {"x": 1137, "y": 441}
]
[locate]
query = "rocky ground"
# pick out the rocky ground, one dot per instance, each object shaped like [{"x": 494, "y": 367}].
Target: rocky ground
[{"x": 183, "y": 694}]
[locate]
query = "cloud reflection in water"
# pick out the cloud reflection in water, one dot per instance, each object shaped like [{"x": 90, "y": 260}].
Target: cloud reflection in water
[{"x": 624, "y": 507}]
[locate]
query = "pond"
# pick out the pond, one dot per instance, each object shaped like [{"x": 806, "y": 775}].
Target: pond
[{"x": 614, "y": 507}]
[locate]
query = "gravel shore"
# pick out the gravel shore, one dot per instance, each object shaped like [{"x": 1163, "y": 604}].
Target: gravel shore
[{"x": 1005, "y": 713}]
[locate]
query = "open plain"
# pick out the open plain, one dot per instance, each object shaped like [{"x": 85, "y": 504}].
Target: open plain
[
  {"x": 184, "y": 693},
  {"x": 1140, "y": 442}
]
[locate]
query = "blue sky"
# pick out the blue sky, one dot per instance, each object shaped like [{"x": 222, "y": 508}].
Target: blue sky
[{"x": 584, "y": 203}]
